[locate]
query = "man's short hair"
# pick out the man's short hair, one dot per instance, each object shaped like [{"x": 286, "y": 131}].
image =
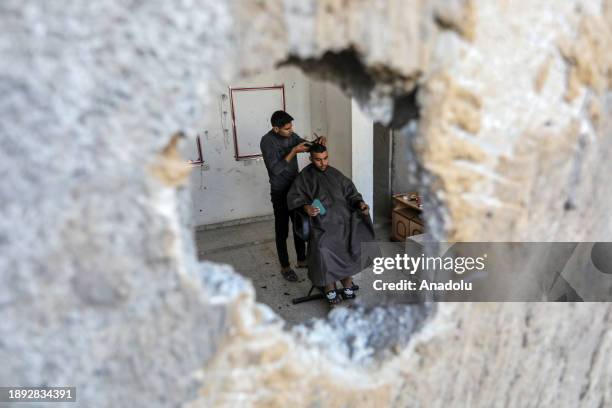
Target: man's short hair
[
  {"x": 280, "y": 118},
  {"x": 317, "y": 148}
]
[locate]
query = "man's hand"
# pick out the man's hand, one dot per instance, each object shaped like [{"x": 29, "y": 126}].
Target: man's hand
[
  {"x": 301, "y": 148},
  {"x": 321, "y": 140},
  {"x": 311, "y": 211},
  {"x": 365, "y": 210}
]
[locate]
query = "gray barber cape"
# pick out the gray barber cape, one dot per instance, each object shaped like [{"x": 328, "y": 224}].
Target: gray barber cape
[{"x": 334, "y": 246}]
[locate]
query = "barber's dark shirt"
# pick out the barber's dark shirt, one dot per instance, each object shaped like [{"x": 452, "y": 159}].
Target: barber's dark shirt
[{"x": 274, "y": 148}]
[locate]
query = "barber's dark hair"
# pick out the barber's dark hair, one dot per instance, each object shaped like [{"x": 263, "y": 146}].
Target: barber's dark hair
[
  {"x": 280, "y": 118},
  {"x": 317, "y": 148}
]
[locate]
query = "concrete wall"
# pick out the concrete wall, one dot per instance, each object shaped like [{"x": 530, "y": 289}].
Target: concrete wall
[{"x": 99, "y": 284}]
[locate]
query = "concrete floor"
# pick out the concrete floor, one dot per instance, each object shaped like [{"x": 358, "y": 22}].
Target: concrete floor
[{"x": 251, "y": 250}]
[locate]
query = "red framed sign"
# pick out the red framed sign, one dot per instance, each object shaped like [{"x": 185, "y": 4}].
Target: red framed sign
[{"x": 251, "y": 111}]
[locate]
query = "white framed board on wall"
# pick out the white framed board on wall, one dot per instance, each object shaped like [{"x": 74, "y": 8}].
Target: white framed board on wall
[{"x": 251, "y": 112}]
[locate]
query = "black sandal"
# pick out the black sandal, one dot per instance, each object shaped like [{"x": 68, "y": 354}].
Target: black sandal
[
  {"x": 332, "y": 297},
  {"x": 349, "y": 293},
  {"x": 290, "y": 275}
]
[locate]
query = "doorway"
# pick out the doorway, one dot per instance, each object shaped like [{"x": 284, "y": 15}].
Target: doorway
[{"x": 382, "y": 165}]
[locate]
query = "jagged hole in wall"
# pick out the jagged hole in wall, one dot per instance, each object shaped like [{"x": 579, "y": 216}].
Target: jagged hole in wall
[
  {"x": 386, "y": 320},
  {"x": 346, "y": 69}
]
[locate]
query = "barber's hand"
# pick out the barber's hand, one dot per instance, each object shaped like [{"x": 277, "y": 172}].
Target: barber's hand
[
  {"x": 301, "y": 148},
  {"x": 321, "y": 140},
  {"x": 365, "y": 210},
  {"x": 311, "y": 211}
]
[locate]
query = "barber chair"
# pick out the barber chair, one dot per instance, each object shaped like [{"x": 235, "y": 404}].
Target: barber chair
[{"x": 301, "y": 228}]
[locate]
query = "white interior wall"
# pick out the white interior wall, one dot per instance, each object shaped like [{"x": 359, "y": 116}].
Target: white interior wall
[
  {"x": 230, "y": 189},
  {"x": 318, "y": 107},
  {"x": 340, "y": 129},
  {"x": 363, "y": 154},
  {"x": 331, "y": 116}
]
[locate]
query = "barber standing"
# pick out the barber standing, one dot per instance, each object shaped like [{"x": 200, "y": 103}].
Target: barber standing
[{"x": 280, "y": 147}]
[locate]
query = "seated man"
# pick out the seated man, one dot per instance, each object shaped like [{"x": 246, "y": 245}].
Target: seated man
[{"x": 338, "y": 226}]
